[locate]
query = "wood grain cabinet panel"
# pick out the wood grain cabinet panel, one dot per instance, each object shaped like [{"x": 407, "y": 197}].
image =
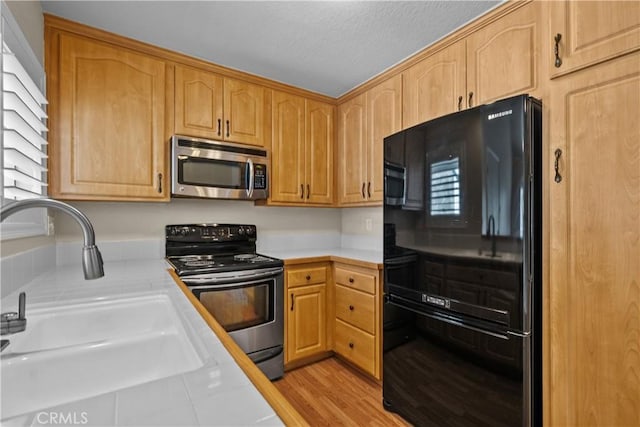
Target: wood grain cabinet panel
[
  {"x": 435, "y": 86},
  {"x": 356, "y": 308},
  {"x": 591, "y": 32},
  {"x": 211, "y": 106},
  {"x": 107, "y": 121},
  {"x": 363, "y": 123},
  {"x": 593, "y": 321},
  {"x": 356, "y": 346},
  {"x": 198, "y": 103},
  {"x": 503, "y": 58},
  {"x": 302, "y": 151},
  {"x": 306, "y": 309}
]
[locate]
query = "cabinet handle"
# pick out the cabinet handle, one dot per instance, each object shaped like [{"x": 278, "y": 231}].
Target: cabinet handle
[
  {"x": 302, "y": 191},
  {"x": 219, "y": 127},
  {"x": 460, "y": 98},
  {"x": 308, "y": 277},
  {"x": 351, "y": 307},
  {"x": 227, "y": 127},
  {"x": 292, "y": 300},
  {"x": 308, "y": 191},
  {"x": 363, "y": 196},
  {"x": 556, "y": 50},
  {"x": 160, "y": 183},
  {"x": 557, "y": 153},
  {"x": 350, "y": 279},
  {"x": 369, "y": 189},
  {"x": 470, "y": 99},
  {"x": 351, "y": 344}
]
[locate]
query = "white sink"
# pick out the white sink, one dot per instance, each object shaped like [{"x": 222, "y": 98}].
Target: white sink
[{"x": 75, "y": 351}]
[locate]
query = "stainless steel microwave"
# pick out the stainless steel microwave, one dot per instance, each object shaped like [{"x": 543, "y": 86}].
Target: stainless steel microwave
[{"x": 218, "y": 170}]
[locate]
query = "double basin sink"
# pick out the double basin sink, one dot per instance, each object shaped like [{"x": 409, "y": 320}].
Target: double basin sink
[{"x": 78, "y": 350}]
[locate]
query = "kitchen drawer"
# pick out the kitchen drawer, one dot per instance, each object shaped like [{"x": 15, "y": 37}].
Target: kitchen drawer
[
  {"x": 356, "y": 308},
  {"x": 356, "y": 346},
  {"x": 306, "y": 276},
  {"x": 356, "y": 280}
]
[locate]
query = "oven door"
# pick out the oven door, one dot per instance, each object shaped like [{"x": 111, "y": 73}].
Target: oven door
[{"x": 247, "y": 304}]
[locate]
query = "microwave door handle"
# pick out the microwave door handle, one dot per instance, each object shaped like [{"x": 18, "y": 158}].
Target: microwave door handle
[{"x": 250, "y": 189}]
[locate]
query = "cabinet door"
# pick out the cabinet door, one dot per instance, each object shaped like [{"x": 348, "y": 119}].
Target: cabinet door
[
  {"x": 503, "y": 57},
  {"x": 244, "y": 112},
  {"x": 319, "y": 152},
  {"x": 591, "y": 32},
  {"x": 108, "y": 136},
  {"x": 198, "y": 103},
  {"x": 435, "y": 86},
  {"x": 306, "y": 325},
  {"x": 287, "y": 151},
  {"x": 352, "y": 151},
  {"x": 384, "y": 117},
  {"x": 593, "y": 294}
]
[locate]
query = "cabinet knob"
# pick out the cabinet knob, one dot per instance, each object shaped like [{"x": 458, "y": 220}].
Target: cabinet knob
[
  {"x": 351, "y": 344},
  {"x": 308, "y": 277},
  {"x": 351, "y": 280},
  {"x": 351, "y": 307}
]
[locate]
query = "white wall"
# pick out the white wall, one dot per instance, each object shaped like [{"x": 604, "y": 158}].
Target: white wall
[{"x": 362, "y": 228}]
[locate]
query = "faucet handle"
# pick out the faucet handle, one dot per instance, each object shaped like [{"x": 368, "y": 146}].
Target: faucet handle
[{"x": 13, "y": 322}]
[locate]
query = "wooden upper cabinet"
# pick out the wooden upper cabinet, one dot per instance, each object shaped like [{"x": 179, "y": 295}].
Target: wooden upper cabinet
[
  {"x": 288, "y": 148},
  {"x": 591, "y": 32},
  {"x": 198, "y": 103},
  {"x": 384, "y": 117},
  {"x": 108, "y": 131},
  {"x": 244, "y": 112},
  {"x": 211, "y": 106},
  {"x": 363, "y": 123},
  {"x": 352, "y": 150},
  {"x": 320, "y": 132},
  {"x": 503, "y": 57},
  {"x": 435, "y": 86},
  {"x": 301, "y": 151}
]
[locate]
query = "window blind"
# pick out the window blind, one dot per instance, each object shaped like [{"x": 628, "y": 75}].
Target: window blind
[
  {"x": 445, "y": 187},
  {"x": 23, "y": 131}
]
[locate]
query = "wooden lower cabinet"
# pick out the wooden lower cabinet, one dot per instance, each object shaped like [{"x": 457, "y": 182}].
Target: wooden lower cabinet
[
  {"x": 357, "y": 335},
  {"x": 306, "y": 308},
  {"x": 592, "y": 347}
]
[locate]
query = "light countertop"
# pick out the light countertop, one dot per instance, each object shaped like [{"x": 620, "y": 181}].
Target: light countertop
[
  {"x": 217, "y": 393},
  {"x": 374, "y": 258}
]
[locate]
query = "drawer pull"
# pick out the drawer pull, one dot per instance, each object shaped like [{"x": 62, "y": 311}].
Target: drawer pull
[
  {"x": 292, "y": 301},
  {"x": 351, "y": 307},
  {"x": 351, "y": 280},
  {"x": 351, "y": 344},
  {"x": 308, "y": 277}
]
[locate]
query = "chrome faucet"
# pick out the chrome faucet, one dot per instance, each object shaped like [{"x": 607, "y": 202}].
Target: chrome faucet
[
  {"x": 491, "y": 231},
  {"x": 91, "y": 258}
]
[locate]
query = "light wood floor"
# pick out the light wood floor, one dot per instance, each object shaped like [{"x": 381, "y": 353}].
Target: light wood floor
[{"x": 330, "y": 393}]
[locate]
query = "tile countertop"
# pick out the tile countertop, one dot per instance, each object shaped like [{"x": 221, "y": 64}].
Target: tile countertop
[{"x": 217, "y": 393}]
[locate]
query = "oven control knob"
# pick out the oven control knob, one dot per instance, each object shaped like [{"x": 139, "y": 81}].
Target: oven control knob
[
  {"x": 250, "y": 231},
  {"x": 241, "y": 231},
  {"x": 184, "y": 232}
]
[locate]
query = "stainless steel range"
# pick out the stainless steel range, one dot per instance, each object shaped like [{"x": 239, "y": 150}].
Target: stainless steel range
[{"x": 243, "y": 290}]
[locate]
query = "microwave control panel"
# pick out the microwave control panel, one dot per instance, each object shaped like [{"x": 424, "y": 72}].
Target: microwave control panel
[{"x": 260, "y": 177}]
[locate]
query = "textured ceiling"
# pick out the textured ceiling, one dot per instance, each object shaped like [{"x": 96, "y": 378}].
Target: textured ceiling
[{"x": 328, "y": 47}]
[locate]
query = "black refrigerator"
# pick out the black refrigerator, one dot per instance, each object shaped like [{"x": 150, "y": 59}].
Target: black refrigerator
[{"x": 462, "y": 262}]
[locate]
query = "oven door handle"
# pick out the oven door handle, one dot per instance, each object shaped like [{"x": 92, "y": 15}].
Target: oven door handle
[{"x": 233, "y": 278}]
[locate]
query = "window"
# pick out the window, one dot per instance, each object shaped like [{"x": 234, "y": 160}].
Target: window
[
  {"x": 445, "y": 187},
  {"x": 23, "y": 140}
]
